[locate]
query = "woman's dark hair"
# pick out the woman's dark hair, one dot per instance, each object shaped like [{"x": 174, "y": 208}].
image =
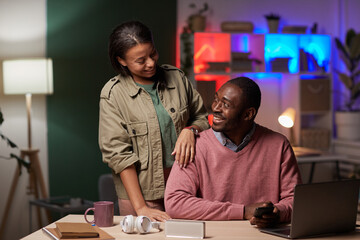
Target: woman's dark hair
[
  {"x": 124, "y": 37},
  {"x": 251, "y": 91}
]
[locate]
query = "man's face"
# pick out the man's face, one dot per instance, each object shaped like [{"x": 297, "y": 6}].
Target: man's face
[{"x": 228, "y": 108}]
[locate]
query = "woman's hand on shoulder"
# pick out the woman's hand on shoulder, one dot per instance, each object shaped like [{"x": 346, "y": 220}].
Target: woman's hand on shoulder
[
  {"x": 184, "y": 150},
  {"x": 153, "y": 214}
]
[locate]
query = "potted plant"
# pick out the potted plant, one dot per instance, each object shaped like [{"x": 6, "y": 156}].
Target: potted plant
[
  {"x": 347, "y": 119},
  {"x": 197, "y": 20},
  {"x": 273, "y": 22}
]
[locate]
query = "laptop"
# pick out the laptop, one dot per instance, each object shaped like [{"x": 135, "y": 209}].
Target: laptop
[{"x": 321, "y": 208}]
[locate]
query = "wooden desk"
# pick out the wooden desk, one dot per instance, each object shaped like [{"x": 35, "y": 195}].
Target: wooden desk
[{"x": 214, "y": 230}]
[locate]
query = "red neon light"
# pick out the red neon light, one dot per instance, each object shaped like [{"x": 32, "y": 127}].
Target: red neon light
[
  {"x": 203, "y": 49},
  {"x": 210, "y": 47},
  {"x": 210, "y": 119}
]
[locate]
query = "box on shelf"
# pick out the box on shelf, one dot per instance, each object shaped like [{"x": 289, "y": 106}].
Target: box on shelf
[
  {"x": 237, "y": 26},
  {"x": 218, "y": 66},
  {"x": 240, "y": 62},
  {"x": 317, "y": 138},
  {"x": 280, "y": 64},
  {"x": 315, "y": 95},
  {"x": 294, "y": 29}
]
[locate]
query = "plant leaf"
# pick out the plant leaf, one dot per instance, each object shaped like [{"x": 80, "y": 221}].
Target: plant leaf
[
  {"x": 346, "y": 60},
  {"x": 349, "y": 35},
  {"x": 1, "y": 117},
  {"x": 204, "y": 9},
  {"x": 354, "y": 48},
  {"x": 355, "y": 93},
  {"x": 343, "y": 53},
  {"x": 346, "y": 80},
  {"x": 355, "y": 74},
  {"x": 11, "y": 143},
  {"x": 21, "y": 161},
  {"x": 8, "y": 141}
]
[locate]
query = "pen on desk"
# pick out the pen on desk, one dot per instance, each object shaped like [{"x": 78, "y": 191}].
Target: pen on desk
[{"x": 50, "y": 234}]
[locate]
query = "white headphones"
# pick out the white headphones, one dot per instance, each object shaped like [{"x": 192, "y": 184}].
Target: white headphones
[{"x": 142, "y": 224}]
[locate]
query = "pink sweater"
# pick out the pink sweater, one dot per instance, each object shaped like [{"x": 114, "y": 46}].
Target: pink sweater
[{"x": 221, "y": 182}]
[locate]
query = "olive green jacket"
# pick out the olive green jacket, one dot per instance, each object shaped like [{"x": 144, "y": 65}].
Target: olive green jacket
[{"x": 129, "y": 131}]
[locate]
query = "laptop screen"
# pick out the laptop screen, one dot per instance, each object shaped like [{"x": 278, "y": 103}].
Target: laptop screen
[{"x": 323, "y": 208}]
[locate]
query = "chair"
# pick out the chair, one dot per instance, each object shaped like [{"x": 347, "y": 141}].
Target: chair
[{"x": 107, "y": 191}]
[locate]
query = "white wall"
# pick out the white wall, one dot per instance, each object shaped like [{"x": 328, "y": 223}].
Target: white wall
[{"x": 22, "y": 35}]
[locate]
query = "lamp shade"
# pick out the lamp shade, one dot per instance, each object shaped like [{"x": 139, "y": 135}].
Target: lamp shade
[
  {"x": 287, "y": 118},
  {"x": 24, "y": 76}
]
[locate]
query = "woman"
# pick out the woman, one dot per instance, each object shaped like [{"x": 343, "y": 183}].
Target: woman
[{"x": 149, "y": 115}]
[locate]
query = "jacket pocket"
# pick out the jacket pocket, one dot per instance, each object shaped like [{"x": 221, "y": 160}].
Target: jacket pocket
[
  {"x": 138, "y": 133},
  {"x": 184, "y": 115}
]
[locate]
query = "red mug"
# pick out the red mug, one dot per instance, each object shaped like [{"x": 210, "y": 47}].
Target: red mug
[{"x": 103, "y": 214}]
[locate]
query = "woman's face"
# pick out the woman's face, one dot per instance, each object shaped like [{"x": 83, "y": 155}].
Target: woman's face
[{"x": 141, "y": 61}]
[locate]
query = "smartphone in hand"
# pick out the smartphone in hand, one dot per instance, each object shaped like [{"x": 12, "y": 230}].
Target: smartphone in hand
[{"x": 259, "y": 211}]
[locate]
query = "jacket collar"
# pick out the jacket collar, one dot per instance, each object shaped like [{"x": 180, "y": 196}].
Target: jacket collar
[
  {"x": 134, "y": 89},
  {"x": 130, "y": 85}
]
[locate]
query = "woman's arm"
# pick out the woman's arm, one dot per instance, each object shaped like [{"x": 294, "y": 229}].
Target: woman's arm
[
  {"x": 184, "y": 150},
  {"x": 131, "y": 183}
]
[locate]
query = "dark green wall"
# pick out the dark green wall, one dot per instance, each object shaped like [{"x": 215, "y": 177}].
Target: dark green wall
[{"x": 77, "y": 37}]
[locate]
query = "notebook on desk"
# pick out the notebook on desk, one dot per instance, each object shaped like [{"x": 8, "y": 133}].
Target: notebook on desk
[{"x": 321, "y": 208}]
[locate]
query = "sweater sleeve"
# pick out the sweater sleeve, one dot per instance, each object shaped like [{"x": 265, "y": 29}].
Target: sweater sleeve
[
  {"x": 289, "y": 177},
  {"x": 182, "y": 201}
]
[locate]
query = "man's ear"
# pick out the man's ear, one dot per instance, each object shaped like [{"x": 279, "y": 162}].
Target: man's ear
[
  {"x": 121, "y": 61},
  {"x": 250, "y": 114}
]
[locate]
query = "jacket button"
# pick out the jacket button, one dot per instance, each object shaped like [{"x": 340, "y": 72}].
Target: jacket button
[
  {"x": 172, "y": 110},
  {"x": 133, "y": 131}
]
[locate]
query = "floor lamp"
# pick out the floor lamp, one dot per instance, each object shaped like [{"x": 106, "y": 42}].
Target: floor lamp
[
  {"x": 287, "y": 120},
  {"x": 27, "y": 77}
]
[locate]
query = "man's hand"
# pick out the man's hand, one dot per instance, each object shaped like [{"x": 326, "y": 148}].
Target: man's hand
[{"x": 266, "y": 220}]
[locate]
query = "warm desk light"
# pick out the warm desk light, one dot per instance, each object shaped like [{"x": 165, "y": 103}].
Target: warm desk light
[
  {"x": 287, "y": 120},
  {"x": 28, "y": 76}
]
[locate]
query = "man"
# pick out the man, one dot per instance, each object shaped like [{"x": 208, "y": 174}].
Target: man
[{"x": 239, "y": 165}]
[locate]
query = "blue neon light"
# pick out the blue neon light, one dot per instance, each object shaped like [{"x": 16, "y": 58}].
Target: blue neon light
[
  {"x": 319, "y": 47},
  {"x": 287, "y": 46},
  {"x": 282, "y": 46},
  {"x": 264, "y": 76}
]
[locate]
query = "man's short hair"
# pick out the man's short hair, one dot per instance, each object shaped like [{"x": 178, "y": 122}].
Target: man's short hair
[{"x": 251, "y": 91}]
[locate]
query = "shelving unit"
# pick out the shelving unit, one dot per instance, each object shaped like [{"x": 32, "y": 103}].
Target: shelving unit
[{"x": 292, "y": 70}]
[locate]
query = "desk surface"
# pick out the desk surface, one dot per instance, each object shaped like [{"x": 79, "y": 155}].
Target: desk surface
[
  {"x": 325, "y": 157},
  {"x": 214, "y": 230}
]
